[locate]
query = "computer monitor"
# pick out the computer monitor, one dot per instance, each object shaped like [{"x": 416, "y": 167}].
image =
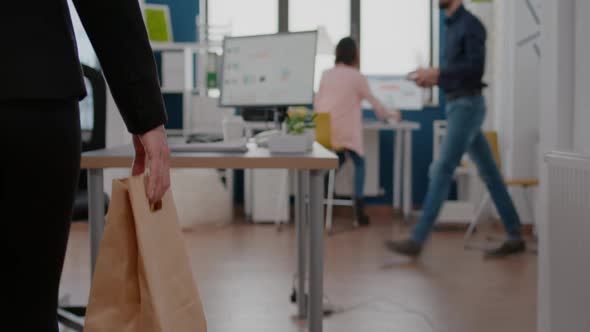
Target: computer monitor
[{"x": 268, "y": 70}]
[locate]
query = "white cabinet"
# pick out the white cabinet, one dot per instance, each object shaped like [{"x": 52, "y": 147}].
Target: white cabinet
[{"x": 269, "y": 196}]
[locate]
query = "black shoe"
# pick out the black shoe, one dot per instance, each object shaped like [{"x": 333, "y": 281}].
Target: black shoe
[
  {"x": 359, "y": 210},
  {"x": 509, "y": 247},
  {"x": 407, "y": 248}
]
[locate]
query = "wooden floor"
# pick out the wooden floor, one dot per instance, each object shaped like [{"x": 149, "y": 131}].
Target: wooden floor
[{"x": 245, "y": 276}]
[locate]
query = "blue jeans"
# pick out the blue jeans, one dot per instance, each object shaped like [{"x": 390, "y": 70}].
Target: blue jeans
[
  {"x": 465, "y": 117},
  {"x": 359, "y": 171}
]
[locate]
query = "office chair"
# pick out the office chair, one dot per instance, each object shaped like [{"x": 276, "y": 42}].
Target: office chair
[
  {"x": 526, "y": 184},
  {"x": 92, "y": 139},
  {"x": 323, "y": 133}
]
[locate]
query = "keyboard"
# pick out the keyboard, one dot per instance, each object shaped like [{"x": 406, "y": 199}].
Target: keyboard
[{"x": 237, "y": 146}]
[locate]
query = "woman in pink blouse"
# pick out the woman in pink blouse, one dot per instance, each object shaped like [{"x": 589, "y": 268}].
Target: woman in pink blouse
[{"x": 342, "y": 90}]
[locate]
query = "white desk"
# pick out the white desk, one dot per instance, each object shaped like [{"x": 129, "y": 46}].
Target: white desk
[
  {"x": 309, "y": 168},
  {"x": 402, "y": 152}
]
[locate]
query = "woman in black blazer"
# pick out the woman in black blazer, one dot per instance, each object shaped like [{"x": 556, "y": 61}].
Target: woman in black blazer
[{"x": 40, "y": 85}]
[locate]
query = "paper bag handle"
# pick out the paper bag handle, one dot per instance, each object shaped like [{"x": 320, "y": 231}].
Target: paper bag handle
[{"x": 156, "y": 206}]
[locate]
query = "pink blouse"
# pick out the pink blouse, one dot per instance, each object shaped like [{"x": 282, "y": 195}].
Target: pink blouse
[{"x": 342, "y": 90}]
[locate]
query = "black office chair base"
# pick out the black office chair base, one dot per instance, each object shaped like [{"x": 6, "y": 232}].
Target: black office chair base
[
  {"x": 328, "y": 308},
  {"x": 80, "y": 211}
]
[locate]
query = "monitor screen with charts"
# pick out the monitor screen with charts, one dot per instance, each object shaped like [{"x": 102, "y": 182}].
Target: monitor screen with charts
[
  {"x": 268, "y": 70},
  {"x": 396, "y": 92}
]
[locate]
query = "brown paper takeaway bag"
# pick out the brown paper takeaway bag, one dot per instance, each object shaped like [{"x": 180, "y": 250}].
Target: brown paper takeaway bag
[{"x": 143, "y": 280}]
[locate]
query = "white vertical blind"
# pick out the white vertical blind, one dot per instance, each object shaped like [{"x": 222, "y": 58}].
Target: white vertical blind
[
  {"x": 246, "y": 17},
  {"x": 332, "y": 15},
  {"x": 395, "y": 36}
]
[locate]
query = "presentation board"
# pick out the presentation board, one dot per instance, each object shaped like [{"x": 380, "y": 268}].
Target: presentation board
[
  {"x": 396, "y": 92},
  {"x": 268, "y": 70}
]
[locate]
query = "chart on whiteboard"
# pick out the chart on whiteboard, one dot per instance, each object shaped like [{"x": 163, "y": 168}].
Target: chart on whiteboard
[
  {"x": 396, "y": 92},
  {"x": 271, "y": 70}
]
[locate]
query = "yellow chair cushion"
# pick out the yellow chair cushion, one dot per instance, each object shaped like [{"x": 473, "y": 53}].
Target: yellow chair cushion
[
  {"x": 522, "y": 182},
  {"x": 492, "y": 138},
  {"x": 323, "y": 130}
]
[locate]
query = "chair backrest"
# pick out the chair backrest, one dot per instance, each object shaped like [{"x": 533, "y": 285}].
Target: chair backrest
[
  {"x": 94, "y": 138},
  {"x": 323, "y": 130},
  {"x": 492, "y": 138}
]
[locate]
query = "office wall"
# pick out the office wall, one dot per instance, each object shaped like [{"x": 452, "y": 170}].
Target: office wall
[
  {"x": 524, "y": 146},
  {"x": 516, "y": 55},
  {"x": 557, "y": 104},
  {"x": 582, "y": 91},
  {"x": 517, "y": 103},
  {"x": 564, "y": 105},
  {"x": 504, "y": 23}
]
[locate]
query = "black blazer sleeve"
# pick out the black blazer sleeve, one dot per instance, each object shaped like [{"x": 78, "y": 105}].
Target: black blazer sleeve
[{"x": 118, "y": 35}]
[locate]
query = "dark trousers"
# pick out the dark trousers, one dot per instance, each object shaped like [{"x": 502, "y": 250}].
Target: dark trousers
[{"x": 39, "y": 169}]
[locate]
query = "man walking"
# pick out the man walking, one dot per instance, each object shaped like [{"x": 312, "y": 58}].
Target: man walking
[{"x": 460, "y": 77}]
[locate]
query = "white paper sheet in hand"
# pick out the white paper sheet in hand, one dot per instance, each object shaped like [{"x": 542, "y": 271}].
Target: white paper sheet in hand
[{"x": 396, "y": 92}]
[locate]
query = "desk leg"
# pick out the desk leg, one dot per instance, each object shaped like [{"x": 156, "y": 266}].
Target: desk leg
[
  {"x": 397, "y": 169},
  {"x": 95, "y": 212},
  {"x": 300, "y": 222},
  {"x": 316, "y": 270},
  {"x": 407, "y": 174},
  {"x": 229, "y": 183},
  {"x": 248, "y": 193},
  {"x": 248, "y": 184}
]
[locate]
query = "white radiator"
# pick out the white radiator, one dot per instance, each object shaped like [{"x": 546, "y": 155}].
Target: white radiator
[{"x": 569, "y": 241}]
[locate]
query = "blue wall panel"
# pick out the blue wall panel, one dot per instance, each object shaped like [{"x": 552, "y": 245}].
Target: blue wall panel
[{"x": 183, "y": 15}]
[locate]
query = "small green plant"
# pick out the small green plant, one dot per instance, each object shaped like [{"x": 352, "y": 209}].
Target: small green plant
[{"x": 300, "y": 119}]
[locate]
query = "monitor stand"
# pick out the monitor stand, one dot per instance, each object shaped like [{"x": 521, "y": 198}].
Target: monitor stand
[
  {"x": 280, "y": 114},
  {"x": 271, "y": 114}
]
